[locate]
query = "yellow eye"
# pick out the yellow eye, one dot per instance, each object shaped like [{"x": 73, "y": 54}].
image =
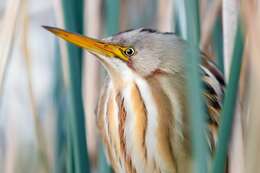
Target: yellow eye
[{"x": 129, "y": 52}]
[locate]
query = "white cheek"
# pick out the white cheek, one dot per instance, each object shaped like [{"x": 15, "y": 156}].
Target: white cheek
[
  {"x": 118, "y": 64},
  {"x": 123, "y": 69},
  {"x": 112, "y": 65}
]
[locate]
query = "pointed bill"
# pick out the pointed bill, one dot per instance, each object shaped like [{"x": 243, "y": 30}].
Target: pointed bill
[{"x": 92, "y": 45}]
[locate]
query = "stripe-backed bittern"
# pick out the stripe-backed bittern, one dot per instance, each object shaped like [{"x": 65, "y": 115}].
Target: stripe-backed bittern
[{"x": 142, "y": 111}]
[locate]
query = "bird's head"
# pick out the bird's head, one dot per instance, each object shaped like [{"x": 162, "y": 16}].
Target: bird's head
[{"x": 142, "y": 51}]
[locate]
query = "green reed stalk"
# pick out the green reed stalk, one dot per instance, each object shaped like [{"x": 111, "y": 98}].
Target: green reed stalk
[
  {"x": 73, "y": 16},
  {"x": 217, "y": 36},
  {"x": 199, "y": 145},
  {"x": 227, "y": 114}
]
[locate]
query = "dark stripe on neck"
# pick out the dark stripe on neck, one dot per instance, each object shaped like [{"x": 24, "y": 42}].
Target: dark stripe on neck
[{"x": 121, "y": 130}]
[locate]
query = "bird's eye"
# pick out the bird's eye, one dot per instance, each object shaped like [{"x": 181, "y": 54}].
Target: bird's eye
[{"x": 129, "y": 52}]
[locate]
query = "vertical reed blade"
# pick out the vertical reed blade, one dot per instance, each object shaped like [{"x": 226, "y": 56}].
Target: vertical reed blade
[
  {"x": 230, "y": 101},
  {"x": 7, "y": 38},
  {"x": 63, "y": 143},
  {"x": 73, "y": 19},
  {"x": 251, "y": 82},
  {"x": 218, "y": 43},
  {"x": 7, "y": 35},
  {"x": 181, "y": 22},
  {"x": 40, "y": 135},
  {"x": 112, "y": 16},
  {"x": 197, "y": 114}
]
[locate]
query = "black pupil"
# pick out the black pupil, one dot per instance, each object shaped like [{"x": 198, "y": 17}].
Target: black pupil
[{"x": 129, "y": 51}]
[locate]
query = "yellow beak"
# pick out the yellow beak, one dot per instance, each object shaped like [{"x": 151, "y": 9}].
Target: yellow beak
[{"x": 92, "y": 45}]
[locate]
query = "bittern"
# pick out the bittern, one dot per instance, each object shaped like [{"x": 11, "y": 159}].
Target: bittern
[{"x": 142, "y": 112}]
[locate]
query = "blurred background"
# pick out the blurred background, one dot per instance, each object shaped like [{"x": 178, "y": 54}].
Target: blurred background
[{"x": 49, "y": 89}]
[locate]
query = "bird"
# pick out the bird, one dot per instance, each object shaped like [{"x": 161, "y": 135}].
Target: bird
[{"x": 142, "y": 112}]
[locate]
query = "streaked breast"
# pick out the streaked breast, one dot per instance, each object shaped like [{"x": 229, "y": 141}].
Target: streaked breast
[{"x": 139, "y": 127}]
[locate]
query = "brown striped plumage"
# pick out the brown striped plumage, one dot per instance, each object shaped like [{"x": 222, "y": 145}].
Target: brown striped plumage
[{"x": 142, "y": 114}]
